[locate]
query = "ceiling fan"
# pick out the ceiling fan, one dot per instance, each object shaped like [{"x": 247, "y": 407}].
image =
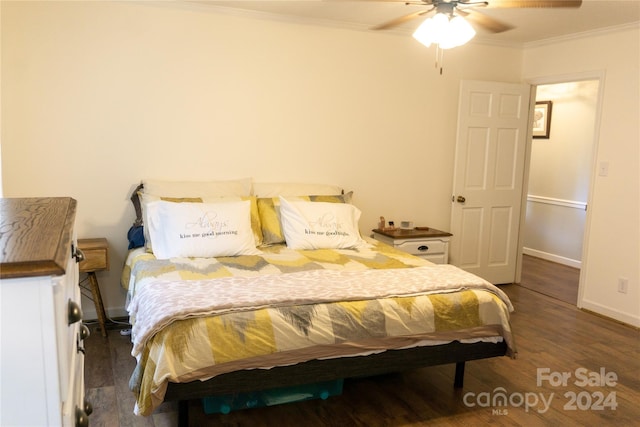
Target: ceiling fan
[
  {"x": 448, "y": 27},
  {"x": 467, "y": 10}
]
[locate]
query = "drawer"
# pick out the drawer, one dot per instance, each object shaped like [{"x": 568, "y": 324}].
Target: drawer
[
  {"x": 74, "y": 397},
  {"x": 95, "y": 254},
  {"x": 422, "y": 247},
  {"x": 67, "y": 333}
]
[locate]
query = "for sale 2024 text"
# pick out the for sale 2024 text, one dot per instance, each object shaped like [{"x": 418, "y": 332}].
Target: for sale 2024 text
[
  {"x": 596, "y": 395},
  {"x": 597, "y": 400}
]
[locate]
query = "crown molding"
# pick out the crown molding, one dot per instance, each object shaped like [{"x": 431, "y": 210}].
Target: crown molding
[
  {"x": 582, "y": 35},
  {"x": 270, "y": 16},
  {"x": 203, "y": 5}
]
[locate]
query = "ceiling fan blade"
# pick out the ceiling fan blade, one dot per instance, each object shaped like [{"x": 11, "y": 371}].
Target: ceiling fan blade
[
  {"x": 486, "y": 22},
  {"x": 534, "y": 3},
  {"x": 401, "y": 20}
]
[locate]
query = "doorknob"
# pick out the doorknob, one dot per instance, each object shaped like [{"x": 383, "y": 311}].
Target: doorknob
[{"x": 460, "y": 199}]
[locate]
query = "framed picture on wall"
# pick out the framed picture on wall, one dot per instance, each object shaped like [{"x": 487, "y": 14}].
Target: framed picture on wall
[{"x": 542, "y": 119}]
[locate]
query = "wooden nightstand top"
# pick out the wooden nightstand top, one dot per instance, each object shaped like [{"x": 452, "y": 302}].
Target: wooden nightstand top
[
  {"x": 412, "y": 233},
  {"x": 96, "y": 254}
]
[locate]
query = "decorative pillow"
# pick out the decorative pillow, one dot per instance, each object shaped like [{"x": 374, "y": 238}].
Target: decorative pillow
[
  {"x": 200, "y": 229},
  {"x": 238, "y": 187},
  {"x": 320, "y": 225},
  {"x": 269, "y": 213},
  {"x": 288, "y": 189},
  {"x": 148, "y": 198}
]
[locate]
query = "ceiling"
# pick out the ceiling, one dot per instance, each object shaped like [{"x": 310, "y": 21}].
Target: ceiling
[{"x": 531, "y": 25}]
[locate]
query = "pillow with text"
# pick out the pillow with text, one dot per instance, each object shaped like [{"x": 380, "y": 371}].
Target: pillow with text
[
  {"x": 320, "y": 225},
  {"x": 200, "y": 229}
]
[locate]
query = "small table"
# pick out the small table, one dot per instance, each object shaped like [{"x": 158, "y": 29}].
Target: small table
[
  {"x": 96, "y": 258},
  {"x": 425, "y": 242}
]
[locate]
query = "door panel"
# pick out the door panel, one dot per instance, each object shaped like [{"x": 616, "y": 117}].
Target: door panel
[
  {"x": 471, "y": 227},
  {"x": 499, "y": 236},
  {"x": 506, "y": 160},
  {"x": 490, "y": 149},
  {"x": 477, "y": 156}
]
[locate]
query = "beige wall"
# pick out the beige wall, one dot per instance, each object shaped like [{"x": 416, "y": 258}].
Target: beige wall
[
  {"x": 97, "y": 96},
  {"x": 612, "y": 246}
]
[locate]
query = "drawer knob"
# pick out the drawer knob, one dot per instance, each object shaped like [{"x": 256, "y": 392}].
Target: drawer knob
[
  {"x": 88, "y": 407},
  {"x": 79, "y": 255},
  {"x": 423, "y": 248},
  {"x": 84, "y": 332},
  {"x": 82, "y": 419},
  {"x": 74, "y": 313}
]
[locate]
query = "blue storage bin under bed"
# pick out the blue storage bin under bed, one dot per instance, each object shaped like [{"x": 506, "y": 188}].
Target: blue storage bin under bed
[{"x": 276, "y": 396}]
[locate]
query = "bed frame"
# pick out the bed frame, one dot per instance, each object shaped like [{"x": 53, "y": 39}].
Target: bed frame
[{"x": 332, "y": 369}]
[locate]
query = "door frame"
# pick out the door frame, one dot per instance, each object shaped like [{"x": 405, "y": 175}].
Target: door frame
[{"x": 598, "y": 75}]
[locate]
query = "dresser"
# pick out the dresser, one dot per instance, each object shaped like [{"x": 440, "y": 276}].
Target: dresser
[
  {"x": 42, "y": 353},
  {"x": 425, "y": 242}
]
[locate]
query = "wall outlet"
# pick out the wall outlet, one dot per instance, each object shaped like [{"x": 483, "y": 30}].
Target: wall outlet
[{"x": 623, "y": 285}]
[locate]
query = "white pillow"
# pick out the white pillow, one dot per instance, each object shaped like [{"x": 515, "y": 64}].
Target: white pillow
[
  {"x": 275, "y": 189},
  {"x": 145, "y": 199},
  {"x": 320, "y": 225},
  {"x": 200, "y": 229},
  {"x": 238, "y": 187}
]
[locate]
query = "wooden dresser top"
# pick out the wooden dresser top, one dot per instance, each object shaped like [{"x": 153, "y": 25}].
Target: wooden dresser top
[{"x": 36, "y": 236}]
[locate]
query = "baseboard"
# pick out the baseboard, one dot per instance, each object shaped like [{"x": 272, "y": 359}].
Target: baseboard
[
  {"x": 553, "y": 258},
  {"x": 89, "y": 313},
  {"x": 601, "y": 310}
]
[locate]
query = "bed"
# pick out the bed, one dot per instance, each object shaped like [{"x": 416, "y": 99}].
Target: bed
[{"x": 281, "y": 304}]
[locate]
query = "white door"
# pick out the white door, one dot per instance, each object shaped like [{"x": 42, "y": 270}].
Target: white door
[{"x": 493, "y": 123}]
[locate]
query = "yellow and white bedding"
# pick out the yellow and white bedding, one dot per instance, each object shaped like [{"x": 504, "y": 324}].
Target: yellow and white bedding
[{"x": 195, "y": 318}]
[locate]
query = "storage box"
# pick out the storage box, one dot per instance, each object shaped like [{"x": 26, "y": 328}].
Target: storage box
[{"x": 276, "y": 396}]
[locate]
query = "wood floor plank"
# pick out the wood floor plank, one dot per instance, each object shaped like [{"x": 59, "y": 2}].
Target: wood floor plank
[
  {"x": 552, "y": 279},
  {"x": 105, "y": 403},
  {"x": 549, "y": 332},
  {"x": 98, "y": 352}
]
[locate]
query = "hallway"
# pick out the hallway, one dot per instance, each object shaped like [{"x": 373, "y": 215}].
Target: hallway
[{"x": 549, "y": 278}]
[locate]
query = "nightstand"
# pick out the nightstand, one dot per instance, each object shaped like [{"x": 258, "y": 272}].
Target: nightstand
[
  {"x": 96, "y": 258},
  {"x": 427, "y": 243}
]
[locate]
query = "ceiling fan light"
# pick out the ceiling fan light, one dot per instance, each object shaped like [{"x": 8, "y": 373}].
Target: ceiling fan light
[
  {"x": 440, "y": 22},
  {"x": 459, "y": 32},
  {"x": 444, "y": 32},
  {"x": 431, "y": 29}
]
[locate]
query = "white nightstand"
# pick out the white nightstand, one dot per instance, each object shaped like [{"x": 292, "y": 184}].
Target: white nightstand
[{"x": 427, "y": 243}]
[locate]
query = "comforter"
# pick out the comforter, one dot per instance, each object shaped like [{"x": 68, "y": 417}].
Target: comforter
[{"x": 194, "y": 319}]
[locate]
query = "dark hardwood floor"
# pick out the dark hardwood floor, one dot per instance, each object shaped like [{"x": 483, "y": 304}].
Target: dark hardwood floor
[
  {"x": 549, "y": 278},
  {"x": 552, "y": 336}
]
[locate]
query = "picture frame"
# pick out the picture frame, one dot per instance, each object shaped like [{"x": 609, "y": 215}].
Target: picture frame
[{"x": 542, "y": 119}]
